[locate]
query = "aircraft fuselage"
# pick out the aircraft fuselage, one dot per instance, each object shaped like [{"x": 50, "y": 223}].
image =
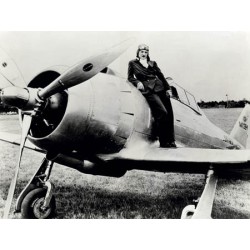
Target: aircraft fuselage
[{"x": 107, "y": 113}]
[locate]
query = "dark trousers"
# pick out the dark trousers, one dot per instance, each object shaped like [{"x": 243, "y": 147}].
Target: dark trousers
[{"x": 162, "y": 111}]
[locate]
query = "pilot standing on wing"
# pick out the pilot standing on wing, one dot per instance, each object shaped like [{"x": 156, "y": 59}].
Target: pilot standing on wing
[{"x": 148, "y": 78}]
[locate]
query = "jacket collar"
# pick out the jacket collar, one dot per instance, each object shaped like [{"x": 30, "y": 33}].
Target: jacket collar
[{"x": 150, "y": 63}]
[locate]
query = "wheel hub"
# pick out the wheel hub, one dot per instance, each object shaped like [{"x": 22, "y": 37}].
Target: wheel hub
[{"x": 39, "y": 210}]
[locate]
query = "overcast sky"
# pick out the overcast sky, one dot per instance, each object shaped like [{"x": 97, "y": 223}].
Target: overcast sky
[{"x": 207, "y": 64}]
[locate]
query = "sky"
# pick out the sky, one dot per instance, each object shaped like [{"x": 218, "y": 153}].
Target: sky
[{"x": 210, "y": 65}]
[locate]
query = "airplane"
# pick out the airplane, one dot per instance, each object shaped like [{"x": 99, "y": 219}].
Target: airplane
[{"x": 89, "y": 118}]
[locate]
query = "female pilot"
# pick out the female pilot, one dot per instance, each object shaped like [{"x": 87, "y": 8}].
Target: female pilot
[{"x": 148, "y": 78}]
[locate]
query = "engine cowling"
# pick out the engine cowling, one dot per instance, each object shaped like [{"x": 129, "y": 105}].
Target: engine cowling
[
  {"x": 98, "y": 116},
  {"x": 102, "y": 115}
]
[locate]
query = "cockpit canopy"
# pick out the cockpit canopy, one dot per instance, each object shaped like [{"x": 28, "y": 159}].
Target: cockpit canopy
[{"x": 183, "y": 96}]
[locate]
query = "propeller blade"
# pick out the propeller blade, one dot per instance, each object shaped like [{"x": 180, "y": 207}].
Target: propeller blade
[
  {"x": 25, "y": 130},
  {"x": 84, "y": 70},
  {"x": 9, "y": 72}
]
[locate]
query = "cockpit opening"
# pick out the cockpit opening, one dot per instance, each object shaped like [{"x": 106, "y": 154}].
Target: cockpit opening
[{"x": 182, "y": 95}]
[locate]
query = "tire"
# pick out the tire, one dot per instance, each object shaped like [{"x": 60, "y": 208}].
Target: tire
[{"x": 32, "y": 203}]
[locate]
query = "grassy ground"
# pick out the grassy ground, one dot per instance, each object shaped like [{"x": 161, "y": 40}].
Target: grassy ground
[{"x": 138, "y": 194}]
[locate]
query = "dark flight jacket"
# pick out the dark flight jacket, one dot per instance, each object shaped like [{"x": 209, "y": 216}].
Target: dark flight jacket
[{"x": 151, "y": 77}]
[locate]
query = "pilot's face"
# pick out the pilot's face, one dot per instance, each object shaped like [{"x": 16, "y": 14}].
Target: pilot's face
[{"x": 143, "y": 54}]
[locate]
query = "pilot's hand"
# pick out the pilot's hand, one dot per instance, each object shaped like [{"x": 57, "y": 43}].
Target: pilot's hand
[
  {"x": 169, "y": 93},
  {"x": 140, "y": 86}
]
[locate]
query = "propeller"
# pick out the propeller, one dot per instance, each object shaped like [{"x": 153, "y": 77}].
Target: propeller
[
  {"x": 28, "y": 98},
  {"x": 25, "y": 130},
  {"x": 13, "y": 77},
  {"x": 84, "y": 70}
]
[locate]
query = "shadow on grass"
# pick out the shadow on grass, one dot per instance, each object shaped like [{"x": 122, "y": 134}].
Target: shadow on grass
[
  {"x": 75, "y": 201},
  {"x": 227, "y": 212},
  {"x": 88, "y": 203},
  {"x": 91, "y": 202}
]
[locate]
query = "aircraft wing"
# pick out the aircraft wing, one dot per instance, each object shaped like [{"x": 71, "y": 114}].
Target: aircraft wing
[
  {"x": 227, "y": 163},
  {"x": 16, "y": 138},
  {"x": 186, "y": 160}
]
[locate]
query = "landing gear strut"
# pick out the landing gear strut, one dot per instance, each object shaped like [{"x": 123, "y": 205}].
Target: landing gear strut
[
  {"x": 203, "y": 208},
  {"x": 37, "y": 200}
]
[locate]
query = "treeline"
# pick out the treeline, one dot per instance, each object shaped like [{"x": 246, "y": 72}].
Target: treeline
[
  {"x": 7, "y": 109},
  {"x": 202, "y": 104},
  {"x": 224, "y": 104}
]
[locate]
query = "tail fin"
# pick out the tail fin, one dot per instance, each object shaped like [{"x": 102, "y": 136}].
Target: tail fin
[{"x": 240, "y": 130}]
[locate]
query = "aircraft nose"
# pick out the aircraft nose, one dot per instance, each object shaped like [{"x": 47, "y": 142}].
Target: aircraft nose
[{"x": 14, "y": 96}]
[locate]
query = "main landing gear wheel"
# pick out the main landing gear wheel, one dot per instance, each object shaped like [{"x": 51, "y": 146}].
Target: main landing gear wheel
[{"x": 32, "y": 205}]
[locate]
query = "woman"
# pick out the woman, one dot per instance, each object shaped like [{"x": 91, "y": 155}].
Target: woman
[{"x": 148, "y": 78}]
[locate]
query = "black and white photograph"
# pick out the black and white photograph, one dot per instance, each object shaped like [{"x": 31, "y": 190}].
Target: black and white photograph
[{"x": 125, "y": 125}]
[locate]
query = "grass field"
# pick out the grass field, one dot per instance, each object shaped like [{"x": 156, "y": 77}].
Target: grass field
[{"x": 139, "y": 194}]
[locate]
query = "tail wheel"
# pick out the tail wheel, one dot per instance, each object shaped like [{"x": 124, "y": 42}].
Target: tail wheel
[{"x": 32, "y": 205}]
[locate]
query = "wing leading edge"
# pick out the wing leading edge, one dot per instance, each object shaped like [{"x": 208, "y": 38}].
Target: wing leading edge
[{"x": 227, "y": 163}]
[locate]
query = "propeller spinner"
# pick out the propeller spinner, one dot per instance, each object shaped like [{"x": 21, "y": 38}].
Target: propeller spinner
[{"x": 34, "y": 100}]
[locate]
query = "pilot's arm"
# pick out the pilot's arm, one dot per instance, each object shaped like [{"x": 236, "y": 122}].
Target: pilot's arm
[
  {"x": 132, "y": 78},
  {"x": 161, "y": 77}
]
